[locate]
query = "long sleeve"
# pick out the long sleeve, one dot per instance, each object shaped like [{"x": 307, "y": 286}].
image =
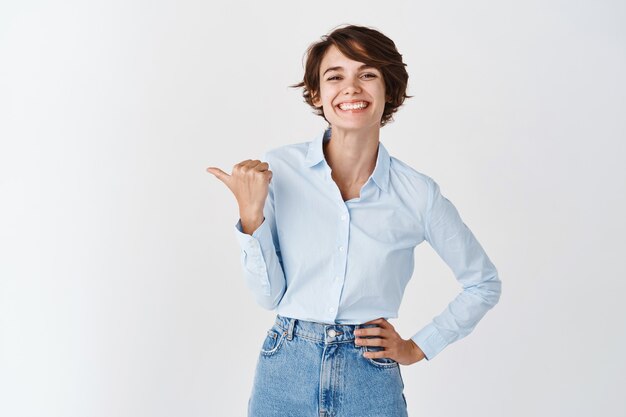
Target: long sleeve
[
  {"x": 457, "y": 246},
  {"x": 260, "y": 257}
]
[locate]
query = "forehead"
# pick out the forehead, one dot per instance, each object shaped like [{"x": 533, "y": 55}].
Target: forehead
[{"x": 334, "y": 58}]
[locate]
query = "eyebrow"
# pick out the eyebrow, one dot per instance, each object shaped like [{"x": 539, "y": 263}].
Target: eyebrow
[{"x": 341, "y": 68}]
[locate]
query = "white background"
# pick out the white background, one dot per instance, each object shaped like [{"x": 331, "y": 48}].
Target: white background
[{"x": 121, "y": 292}]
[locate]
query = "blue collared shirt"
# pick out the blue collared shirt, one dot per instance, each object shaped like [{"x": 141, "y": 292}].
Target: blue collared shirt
[{"x": 317, "y": 257}]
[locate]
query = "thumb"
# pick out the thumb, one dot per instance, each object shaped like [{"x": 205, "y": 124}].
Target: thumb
[{"x": 221, "y": 175}]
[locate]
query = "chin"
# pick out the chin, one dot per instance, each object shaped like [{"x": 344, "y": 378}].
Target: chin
[{"x": 354, "y": 124}]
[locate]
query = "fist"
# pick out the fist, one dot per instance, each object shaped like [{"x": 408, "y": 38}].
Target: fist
[{"x": 249, "y": 182}]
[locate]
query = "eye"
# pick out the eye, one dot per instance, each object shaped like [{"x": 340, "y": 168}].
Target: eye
[{"x": 368, "y": 75}]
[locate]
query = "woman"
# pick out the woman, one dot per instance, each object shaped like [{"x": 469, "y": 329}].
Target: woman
[{"x": 328, "y": 242}]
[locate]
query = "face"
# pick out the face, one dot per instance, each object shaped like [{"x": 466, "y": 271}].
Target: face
[{"x": 350, "y": 81}]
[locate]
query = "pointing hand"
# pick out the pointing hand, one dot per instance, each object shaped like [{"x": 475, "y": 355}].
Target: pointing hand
[{"x": 249, "y": 182}]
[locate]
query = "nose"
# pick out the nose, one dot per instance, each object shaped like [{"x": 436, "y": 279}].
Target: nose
[{"x": 352, "y": 86}]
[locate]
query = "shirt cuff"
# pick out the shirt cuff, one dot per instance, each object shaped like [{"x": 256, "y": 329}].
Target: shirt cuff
[
  {"x": 252, "y": 247},
  {"x": 260, "y": 234},
  {"x": 430, "y": 341}
]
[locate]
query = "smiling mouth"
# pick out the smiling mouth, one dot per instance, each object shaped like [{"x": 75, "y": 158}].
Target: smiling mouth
[{"x": 359, "y": 105}]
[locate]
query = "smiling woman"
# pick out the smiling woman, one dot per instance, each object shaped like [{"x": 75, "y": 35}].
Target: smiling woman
[
  {"x": 327, "y": 240},
  {"x": 376, "y": 59}
]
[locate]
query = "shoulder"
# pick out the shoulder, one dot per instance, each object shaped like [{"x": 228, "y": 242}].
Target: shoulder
[
  {"x": 402, "y": 172},
  {"x": 291, "y": 156}
]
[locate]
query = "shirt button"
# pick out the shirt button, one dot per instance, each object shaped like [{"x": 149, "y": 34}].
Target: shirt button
[
  {"x": 343, "y": 217},
  {"x": 332, "y": 333},
  {"x": 332, "y": 309},
  {"x": 337, "y": 278},
  {"x": 340, "y": 248}
]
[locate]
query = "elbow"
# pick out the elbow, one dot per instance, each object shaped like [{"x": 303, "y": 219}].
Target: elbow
[
  {"x": 492, "y": 290},
  {"x": 488, "y": 290},
  {"x": 491, "y": 286},
  {"x": 496, "y": 293}
]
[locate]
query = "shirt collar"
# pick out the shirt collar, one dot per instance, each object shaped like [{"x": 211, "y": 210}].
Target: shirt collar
[{"x": 315, "y": 155}]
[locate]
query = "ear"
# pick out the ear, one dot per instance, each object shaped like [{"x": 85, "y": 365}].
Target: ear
[{"x": 316, "y": 100}]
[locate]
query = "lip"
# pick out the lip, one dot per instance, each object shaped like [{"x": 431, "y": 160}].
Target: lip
[
  {"x": 354, "y": 111},
  {"x": 354, "y": 101}
]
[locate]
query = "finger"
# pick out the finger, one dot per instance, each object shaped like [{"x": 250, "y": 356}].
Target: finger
[
  {"x": 370, "y": 331},
  {"x": 221, "y": 175},
  {"x": 244, "y": 162},
  {"x": 252, "y": 162},
  {"x": 371, "y": 342},
  {"x": 240, "y": 165},
  {"x": 257, "y": 165},
  {"x": 376, "y": 354},
  {"x": 263, "y": 166},
  {"x": 252, "y": 166}
]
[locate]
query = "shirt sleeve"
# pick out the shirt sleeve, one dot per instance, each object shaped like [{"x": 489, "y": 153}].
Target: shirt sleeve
[
  {"x": 260, "y": 257},
  {"x": 481, "y": 287}
]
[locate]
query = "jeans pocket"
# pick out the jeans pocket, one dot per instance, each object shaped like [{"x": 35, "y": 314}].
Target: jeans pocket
[
  {"x": 273, "y": 341},
  {"x": 379, "y": 362}
]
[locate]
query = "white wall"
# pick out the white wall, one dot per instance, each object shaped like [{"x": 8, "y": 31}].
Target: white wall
[{"x": 121, "y": 292}]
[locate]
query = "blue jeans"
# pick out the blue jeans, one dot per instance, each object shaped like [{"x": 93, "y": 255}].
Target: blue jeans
[{"x": 309, "y": 369}]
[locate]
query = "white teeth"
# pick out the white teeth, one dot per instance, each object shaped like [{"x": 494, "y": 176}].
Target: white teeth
[{"x": 353, "y": 106}]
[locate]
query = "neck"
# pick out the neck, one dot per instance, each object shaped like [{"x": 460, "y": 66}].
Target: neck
[{"x": 351, "y": 154}]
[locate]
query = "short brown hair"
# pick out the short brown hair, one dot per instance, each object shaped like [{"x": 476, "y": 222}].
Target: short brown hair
[{"x": 362, "y": 44}]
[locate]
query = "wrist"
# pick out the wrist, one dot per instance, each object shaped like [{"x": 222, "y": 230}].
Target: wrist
[
  {"x": 249, "y": 224},
  {"x": 418, "y": 354}
]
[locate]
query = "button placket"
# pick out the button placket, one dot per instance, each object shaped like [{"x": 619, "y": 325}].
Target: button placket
[{"x": 338, "y": 261}]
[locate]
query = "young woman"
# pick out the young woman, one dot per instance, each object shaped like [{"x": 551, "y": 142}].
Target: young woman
[{"x": 327, "y": 240}]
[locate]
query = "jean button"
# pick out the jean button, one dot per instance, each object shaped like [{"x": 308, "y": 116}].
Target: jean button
[{"x": 332, "y": 333}]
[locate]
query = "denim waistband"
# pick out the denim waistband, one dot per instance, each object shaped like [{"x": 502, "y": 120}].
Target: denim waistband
[{"x": 321, "y": 332}]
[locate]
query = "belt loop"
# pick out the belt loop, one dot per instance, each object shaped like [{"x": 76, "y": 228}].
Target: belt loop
[{"x": 292, "y": 323}]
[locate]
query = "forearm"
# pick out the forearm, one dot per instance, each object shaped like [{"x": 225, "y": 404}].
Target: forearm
[{"x": 261, "y": 265}]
